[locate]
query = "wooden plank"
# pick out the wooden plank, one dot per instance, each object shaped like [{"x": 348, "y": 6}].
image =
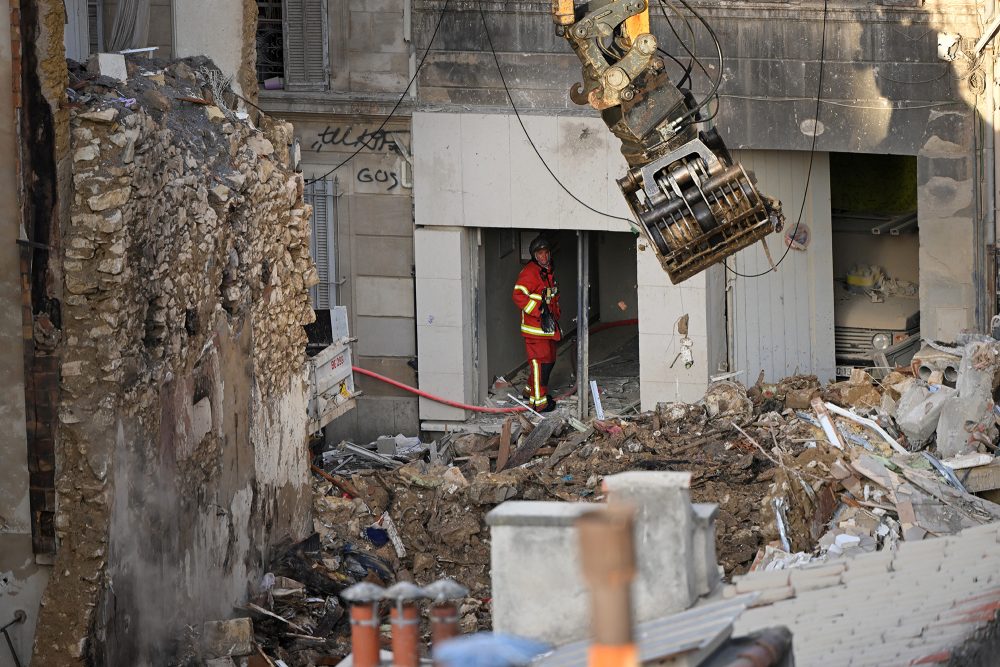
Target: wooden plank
[
  {"x": 567, "y": 447},
  {"x": 535, "y": 441},
  {"x": 505, "y": 432},
  {"x": 980, "y": 478}
]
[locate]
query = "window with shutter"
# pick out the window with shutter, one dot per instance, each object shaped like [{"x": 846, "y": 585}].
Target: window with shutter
[
  {"x": 95, "y": 25},
  {"x": 307, "y": 65},
  {"x": 323, "y": 245}
]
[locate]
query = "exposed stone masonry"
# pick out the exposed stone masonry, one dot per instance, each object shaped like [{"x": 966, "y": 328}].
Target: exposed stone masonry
[{"x": 186, "y": 273}]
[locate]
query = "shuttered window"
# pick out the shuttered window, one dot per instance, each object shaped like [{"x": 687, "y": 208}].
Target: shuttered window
[
  {"x": 95, "y": 25},
  {"x": 323, "y": 246},
  {"x": 307, "y": 63}
]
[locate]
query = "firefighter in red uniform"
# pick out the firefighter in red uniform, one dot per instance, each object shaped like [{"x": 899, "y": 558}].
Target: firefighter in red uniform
[{"x": 537, "y": 295}]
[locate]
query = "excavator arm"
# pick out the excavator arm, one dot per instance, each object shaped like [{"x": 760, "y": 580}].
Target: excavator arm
[{"x": 693, "y": 202}]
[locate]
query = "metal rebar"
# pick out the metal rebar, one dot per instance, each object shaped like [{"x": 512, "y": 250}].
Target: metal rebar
[{"x": 19, "y": 617}]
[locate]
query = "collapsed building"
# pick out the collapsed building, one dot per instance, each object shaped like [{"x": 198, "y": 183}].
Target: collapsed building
[{"x": 169, "y": 252}]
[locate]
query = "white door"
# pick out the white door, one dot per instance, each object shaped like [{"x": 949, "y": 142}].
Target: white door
[{"x": 782, "y": 321}]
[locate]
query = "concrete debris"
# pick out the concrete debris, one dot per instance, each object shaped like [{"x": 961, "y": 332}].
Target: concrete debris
[
  {"x": 222, "y": 639},
  {"x": 789, "y": 491}
]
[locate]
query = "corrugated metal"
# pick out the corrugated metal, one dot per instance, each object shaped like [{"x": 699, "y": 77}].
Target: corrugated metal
[
  {"x": 691, "y": 630},
  {"x": 782, "y": 322},
  {"x": 323, "y": 242}
]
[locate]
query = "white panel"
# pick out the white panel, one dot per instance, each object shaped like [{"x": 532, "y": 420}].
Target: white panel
[
  {"x": 437, "y": 253},
  {"x": 583, "y": 169},
  {"x": 384, "y": 297},
  {"x": 531, "y": 183},
  {"x": 479, "y": 170},
  {"x": 617, "y": 167},
  {"x": 439, "y": 302},
  {"x": 213, "y": 29},
  {"x": 783, "y": 321},
  {"x": 437, "y": 169},
  {"x": 486, "y": 165}
]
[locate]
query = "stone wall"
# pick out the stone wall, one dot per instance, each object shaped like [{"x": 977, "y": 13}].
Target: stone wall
[{"x": 182, "y": 453}]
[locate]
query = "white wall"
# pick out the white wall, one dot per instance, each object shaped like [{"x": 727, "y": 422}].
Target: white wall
[
  {"x": 476, "y": 170},
  {"x": 213, "y": 29},
  {"x": 783, "y": 321},
  {"x": 445, "y": 271}
]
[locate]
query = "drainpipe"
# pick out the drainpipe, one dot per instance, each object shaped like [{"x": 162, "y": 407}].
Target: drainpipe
[
  {"x": 405, "y": 619},
  {"x": 607, "y": 551},
  {"x": 408, "y": 40},
  {"x": 444, "y": 595},
  {"x": 364, "y": 598}
]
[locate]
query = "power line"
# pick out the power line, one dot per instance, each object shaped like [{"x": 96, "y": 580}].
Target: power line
[
  {"x": 364, "y": 144},
  {"x": 812, "y": 155},
  {"x": 503, "y": 80}
]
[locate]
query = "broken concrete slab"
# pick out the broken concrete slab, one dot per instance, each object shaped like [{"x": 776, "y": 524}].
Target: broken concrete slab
[
  {"x": 233, "y": 637},
  {"x": 111, "y": 65},
  {"x": 919, "y": 410}
]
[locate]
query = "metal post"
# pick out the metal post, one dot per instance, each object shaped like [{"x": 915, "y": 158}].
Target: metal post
[{"x": 583, "y": 321}]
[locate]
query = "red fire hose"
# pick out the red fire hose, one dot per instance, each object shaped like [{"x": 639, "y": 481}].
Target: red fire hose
[{"x": 477, "y": 408}]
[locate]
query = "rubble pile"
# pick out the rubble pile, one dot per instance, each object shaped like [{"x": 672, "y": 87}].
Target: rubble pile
[{"x": 800, "y": 472}]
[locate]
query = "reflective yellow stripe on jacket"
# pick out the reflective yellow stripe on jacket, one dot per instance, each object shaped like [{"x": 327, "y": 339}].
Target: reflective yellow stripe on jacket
[{"x": 535, "y": 331}]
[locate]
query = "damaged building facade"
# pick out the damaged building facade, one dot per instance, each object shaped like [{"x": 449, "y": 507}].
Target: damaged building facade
[
  {"x": 163, "y": 243},
  {"x": 154, "y": 301},
  {"x": 429, "y": 223}
]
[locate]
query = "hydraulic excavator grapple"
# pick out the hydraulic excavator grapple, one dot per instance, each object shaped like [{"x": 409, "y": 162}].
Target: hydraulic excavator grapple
[{"x": 694, "y": 203}]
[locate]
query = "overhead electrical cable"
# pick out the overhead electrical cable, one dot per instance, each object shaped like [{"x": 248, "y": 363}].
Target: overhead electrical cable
[
  {"x": 812, "y": 155},
  {"x": 503, "y": 80}
]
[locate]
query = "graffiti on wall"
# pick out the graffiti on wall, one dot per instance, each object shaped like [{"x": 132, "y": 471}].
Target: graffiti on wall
[{"x": 372, "y": 138}]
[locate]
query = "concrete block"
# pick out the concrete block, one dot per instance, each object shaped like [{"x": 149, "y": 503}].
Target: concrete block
[
  {"x": 378, "y": 215},
  {"x": 441, "y": 348},
  {"x": 537, "y": 583},
  {"x": 384, "y": 297},
  {"x": 438, "y": 252},
  {"x": 706, "y": 567},
  {"x": 437, "y": 177},
  {"x": 446, "y": 385},
  {"x": 667, "y": 577},
  {"x": 919, "y": 410},
  {"x": 390, "y": 256},
  {"x": 487, "y": 168},
  {"x": 386, "y": 336},
  {"x": 227, "y": 638},
  {"x": 439, "y": 302},
  {"x": 762, "y": 581},
  {"x": 111, "y": 65}
]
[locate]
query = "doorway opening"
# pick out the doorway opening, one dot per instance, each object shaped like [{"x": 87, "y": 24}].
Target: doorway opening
[
  {"x": 875, "y": 261},
  {"x": 610, "y": 348}
]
